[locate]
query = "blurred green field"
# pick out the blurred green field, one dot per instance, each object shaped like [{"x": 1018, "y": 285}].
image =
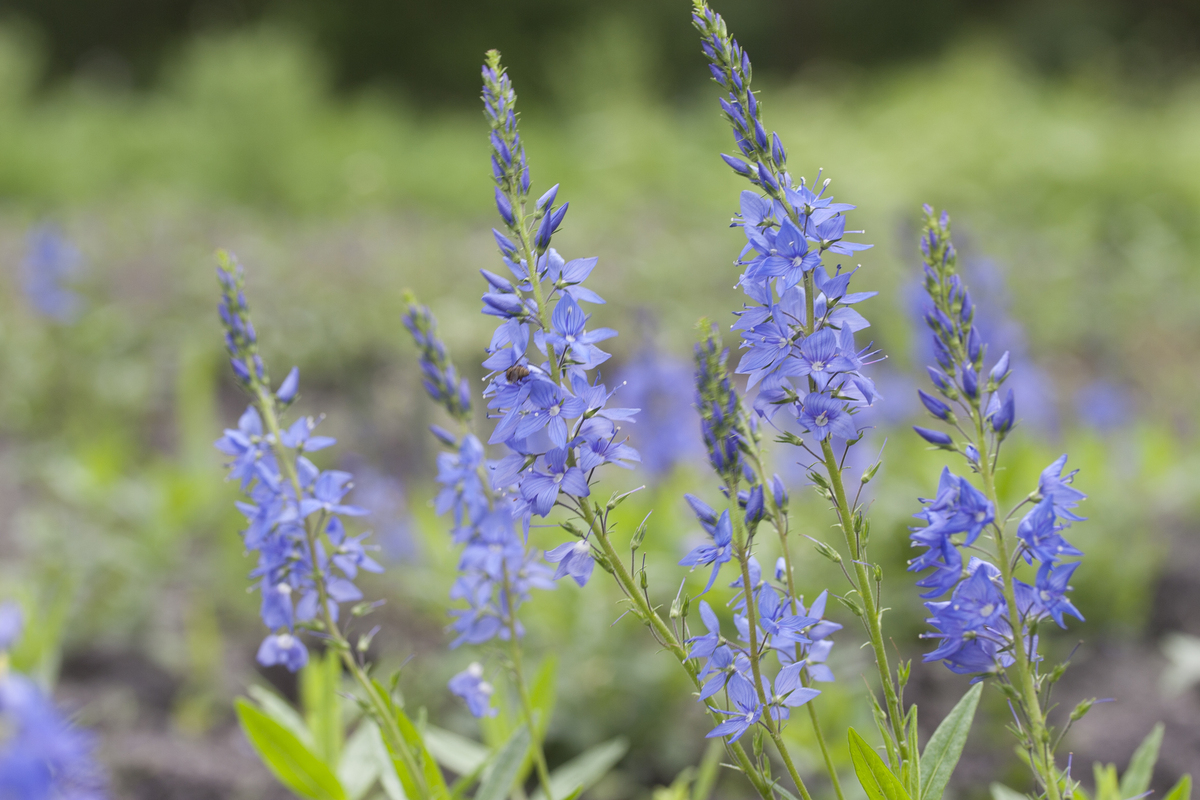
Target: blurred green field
[{"x": 1084, "y": 192}]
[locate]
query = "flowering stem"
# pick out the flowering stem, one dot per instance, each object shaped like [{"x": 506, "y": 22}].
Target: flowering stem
[
  {"x": 379, "y": 704},
  {"x": 780, "y": 521},
  {"x": 1043, "y": 755},
  {"x": 871, "y": 614},
  {"x": 752, "y": 628},
  {"x": 668, "y": 639},
  {"x": 539, "y": 756}
]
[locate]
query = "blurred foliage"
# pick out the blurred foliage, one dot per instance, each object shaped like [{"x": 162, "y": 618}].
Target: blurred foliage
[
  {"x": 420, "y": 50},
  {"x": 1084, "y": 192}
]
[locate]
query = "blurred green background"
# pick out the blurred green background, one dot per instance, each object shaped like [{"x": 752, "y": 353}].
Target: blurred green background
[{"x": 339, "y": 151}]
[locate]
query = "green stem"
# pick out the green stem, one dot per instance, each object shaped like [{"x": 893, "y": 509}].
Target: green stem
[
  {"x": 780, "y": 522},
  {"x": 539, "y": 755},
  {"x": 871, "y": 613},
  {"x": 380, "y": 705},
  {"x": 668, "y": 639},
  {"x": 1043, "y": 756}
]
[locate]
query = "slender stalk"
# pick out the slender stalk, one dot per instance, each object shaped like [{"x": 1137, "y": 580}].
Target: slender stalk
[
  {"x": 667, "y": 638},
  {"x": 380, "y": 705},
  {"x": 539, "y": 755},
  {"x": 1043, "y": 756},
  {"x": 871, "y": 613},
  {"x": 782, "y": 529}
]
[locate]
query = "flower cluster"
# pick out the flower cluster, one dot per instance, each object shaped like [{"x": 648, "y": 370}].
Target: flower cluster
[
  {"x": 799, "y": 325},
  {"x": 50, "y": 265},
  {"x": 439, "y": 375},
  {"x": 976, "y": 626},
  {"x": 307, "y": 561},
  {"x": 798, "y": 636},
  {"x": 553, "y": 413},
  {"x": 42, "y": 756}
]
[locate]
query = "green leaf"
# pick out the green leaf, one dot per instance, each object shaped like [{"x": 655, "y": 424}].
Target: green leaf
[
  {"x": 542, "y": 695},
  {"x": 458, "y": 754},
  {"x": 1107, "y": 785},
  {"x": 432, "y": 774},
  {"x": 1002, "y": 792},
  {"x": 320, "y": 684},
  {"x": 506, "y": 768},
  {"x": 282, "y": 712},
  {"x": 876, "y": 779},
  {"x": 584, "y": 770},
  {"x": 359, "y": 766},
  {"x": 388, "y": 778},
  {"x": 945, "y": 748},
  {"x": 1140, "y": 771},
  {"x": 912, "y": 767},
  {"x": 290, "y": 761},
  {"x": 1181, "y": 790},
  {"x": 706, "y": 775}
]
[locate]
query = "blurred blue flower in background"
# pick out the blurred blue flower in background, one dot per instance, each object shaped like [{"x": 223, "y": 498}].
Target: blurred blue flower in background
[
  {"x": 1104, "y": 405},
  {"x": 660, "y": 385},
  {"x": 50, "y": 263}
]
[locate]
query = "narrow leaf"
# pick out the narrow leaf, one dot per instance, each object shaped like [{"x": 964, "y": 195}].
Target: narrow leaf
[
  {"x": 1181, "y": 790},
  {"x": 282, "y": 712},
  {"x": 358, "y": 767},
  {"x": 706, "y": 775},
  {"x": 1002, "y": 792},
  {"x": 1140, "y": 771},
  {"x": 320, "y": 684},
  {"x": 388, "y": 777},
  {"x": 458, "y": 754},
  {"x": 584, "y": 770},
  {"x": 506, "y": 768},
  {"x": 288, "y": 760},
  {"x": 876, "y": 779},
  {"x": 945, "y": 748}
]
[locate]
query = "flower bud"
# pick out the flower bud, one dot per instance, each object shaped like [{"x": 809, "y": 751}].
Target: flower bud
[
  {"x": 287, "y": 389},
  {"x": 970, "y": 382},
  {"x": 934, "y": 406},
  {"x": 1000, "y": 371},
  {"x": 934, "y": 437},
  {"x": 780, "y": 494},
  {"x": 547, "y": 200},
  {"x": 754, "y": 505},
  {"x": 974, "y": 346},
  {"x": 1002, "y": 420},
  {"x": 739, "y": 166},
  {"x": 504, "y": 207}
]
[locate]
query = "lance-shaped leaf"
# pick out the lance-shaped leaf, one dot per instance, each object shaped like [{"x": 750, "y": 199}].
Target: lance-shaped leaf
[
  {"x": 945, "y": 748},
  {"x": 1140, "y": 771},
  {"x": 1181, "y": 790},
  {"x": 584, "y": 770},
  {"x": 877, "y": 780},
  {"x": 506, "y": 767},
  {"x": 288, "y": 760}
]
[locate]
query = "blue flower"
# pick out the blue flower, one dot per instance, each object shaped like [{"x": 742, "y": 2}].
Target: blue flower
[
  {"x": 705, "y": 645},
  {"x": 43, "y": 756},
  {"x": 571, "y": 338},
  {"x": 822, "y": 416},
  {"x": 284, "y": 649},
  {"x": 1057, "y": 487},
  {"x": 540, "y": 487},
  {"x": 721, "y": 549},
  {"x": 1048, "y": 595},
  {"x": 574, "y": 559},
  {"x": 474, "y": 690},
  {"x": 789, "y": 693},
  {"x": 1041, "y": 536},
  {"x": 746, "y": 713}
]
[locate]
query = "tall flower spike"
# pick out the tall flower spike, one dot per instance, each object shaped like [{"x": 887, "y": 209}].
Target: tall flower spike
[
  {"x": 307, "y": 561},
  {"x": 990, "y": 623},
  {"x": 441, "y": 379}
]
